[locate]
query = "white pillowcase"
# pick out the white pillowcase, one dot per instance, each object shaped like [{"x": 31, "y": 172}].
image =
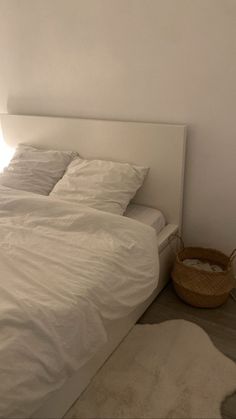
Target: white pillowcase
[
  {"x": 36, "y": 170},
  {"x": 104, "y": 185}
]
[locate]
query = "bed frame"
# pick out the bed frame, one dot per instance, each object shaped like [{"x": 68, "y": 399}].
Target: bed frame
[{"x": 158, "y": 146}]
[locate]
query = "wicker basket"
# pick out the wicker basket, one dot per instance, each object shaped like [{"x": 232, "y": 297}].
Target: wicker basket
[{"x": 199, "y": 287}]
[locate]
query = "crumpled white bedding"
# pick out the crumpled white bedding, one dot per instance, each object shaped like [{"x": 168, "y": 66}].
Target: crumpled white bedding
[{"x": 64, "y": 269}]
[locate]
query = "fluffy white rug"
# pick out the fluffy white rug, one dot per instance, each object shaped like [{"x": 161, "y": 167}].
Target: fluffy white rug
[{"x": 166, "y": 370}]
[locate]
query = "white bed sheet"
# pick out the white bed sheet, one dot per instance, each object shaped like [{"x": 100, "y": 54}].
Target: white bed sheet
[
  {"x": 146, "y": 215},
  {"x": 65, "y": 269}
]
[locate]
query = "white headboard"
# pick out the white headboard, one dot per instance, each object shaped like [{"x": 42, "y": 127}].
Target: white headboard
[{"x": 158, "y": 146}]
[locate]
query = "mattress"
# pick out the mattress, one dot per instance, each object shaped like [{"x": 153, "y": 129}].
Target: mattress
[{"x": 146, "y": 215}]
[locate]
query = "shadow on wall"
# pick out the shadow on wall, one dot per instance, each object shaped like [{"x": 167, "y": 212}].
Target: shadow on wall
[
  {"x": 51, "y": 107},
  {"x": 31, "y": 106},
  {"x": 65, "y": 107}
]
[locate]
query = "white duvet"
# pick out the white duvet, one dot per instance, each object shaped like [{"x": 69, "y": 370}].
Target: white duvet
[{"x": 64, "y": 269}]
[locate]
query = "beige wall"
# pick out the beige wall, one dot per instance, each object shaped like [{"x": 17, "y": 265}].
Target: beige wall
[{"x": 147, "y": 60}]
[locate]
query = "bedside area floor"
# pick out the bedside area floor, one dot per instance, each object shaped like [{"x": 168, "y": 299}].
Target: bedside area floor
[{"x": 219, "y": 323}]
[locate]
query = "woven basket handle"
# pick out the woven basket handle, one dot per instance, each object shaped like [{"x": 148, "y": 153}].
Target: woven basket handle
[
  {"x": 232, "y": 256},
  {"x": 176, "y": 236}
]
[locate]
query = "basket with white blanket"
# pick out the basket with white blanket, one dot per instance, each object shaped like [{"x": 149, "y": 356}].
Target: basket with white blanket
[{"x": 203, "y": 277}]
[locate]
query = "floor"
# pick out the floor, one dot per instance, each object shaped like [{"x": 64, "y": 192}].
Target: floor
[{"x": 219, "y": 323}]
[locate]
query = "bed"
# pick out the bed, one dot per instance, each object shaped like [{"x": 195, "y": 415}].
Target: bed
[{"x": 161, "y": 147}]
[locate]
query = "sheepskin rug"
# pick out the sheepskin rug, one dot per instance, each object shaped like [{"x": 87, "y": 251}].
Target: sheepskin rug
[{"x": 166, "y": 370}]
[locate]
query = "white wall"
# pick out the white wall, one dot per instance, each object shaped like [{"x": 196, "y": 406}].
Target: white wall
[{"x": 147, "y": 60}]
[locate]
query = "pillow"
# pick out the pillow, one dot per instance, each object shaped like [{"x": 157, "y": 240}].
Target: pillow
[
  {"x": 36, "y": 170},
  {"x": 104, "y": 185}
]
